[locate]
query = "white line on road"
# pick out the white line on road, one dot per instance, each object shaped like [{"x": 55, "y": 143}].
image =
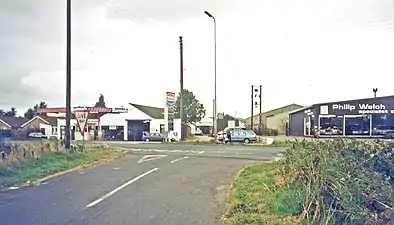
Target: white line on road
[
  {"x": 150, "y": 158},
  {"x": 120, "y": 188},
  {"x": 179, "y": 159}
]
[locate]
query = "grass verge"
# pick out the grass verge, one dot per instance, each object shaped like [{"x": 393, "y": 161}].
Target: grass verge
[
  {"x": 51, "y": 163},
  {"x": 257, "y": 196}
]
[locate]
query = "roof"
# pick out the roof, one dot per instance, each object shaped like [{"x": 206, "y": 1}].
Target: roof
[
  {"x": 46, "y": 119},
  {"x": 281, "y": 109},
  {"x": 14, "y": 122},
  {"x": 154, "y": 112}
]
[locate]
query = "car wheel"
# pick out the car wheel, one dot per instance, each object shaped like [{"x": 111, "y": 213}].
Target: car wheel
[
  {"x": 246, "y": 141},
  {"x": 147, "y": 140}
]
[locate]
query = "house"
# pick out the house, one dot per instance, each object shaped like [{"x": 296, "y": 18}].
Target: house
[
  {"x": 45, "y": 124},
  {"x": 275, "y": 119},
  {"x": 11, "y": 123}
]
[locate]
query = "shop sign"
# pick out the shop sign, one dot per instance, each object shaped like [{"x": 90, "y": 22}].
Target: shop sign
[
  {"x": 365, "y": 108},
  {"x": 120, "y": 110}
]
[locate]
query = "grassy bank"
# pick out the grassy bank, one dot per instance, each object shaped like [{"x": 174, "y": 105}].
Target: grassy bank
[
  {"x": 322, "y": 182},
  {"x": 30, "y": 161},
  {"x": 254, "y": 198}
]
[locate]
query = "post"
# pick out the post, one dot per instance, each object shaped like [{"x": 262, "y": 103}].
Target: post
[
  {"x": 215, "y": 121},
  {"x": 261, "y": 109},
  {"x": 181, "y": 87},
  {"x": 251, "y": 117},
  {"x": 68, "y": 76}
]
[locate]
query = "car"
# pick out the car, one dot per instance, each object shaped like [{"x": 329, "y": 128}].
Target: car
[
  {"x": 240, "y": 135},
  {"x": 152, "y": 137},
  {"x": 37, "y": 135}
]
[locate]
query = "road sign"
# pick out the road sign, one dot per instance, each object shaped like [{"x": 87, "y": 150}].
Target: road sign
[{"x": 82, "y": 120}]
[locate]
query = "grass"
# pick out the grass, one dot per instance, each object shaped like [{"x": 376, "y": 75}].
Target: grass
[
  {"x": 49, "y": 163},
  {"x": 258, "y": 196}
]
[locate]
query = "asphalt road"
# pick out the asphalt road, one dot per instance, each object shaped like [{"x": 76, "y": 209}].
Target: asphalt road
[{"x": 153, "y": 184}]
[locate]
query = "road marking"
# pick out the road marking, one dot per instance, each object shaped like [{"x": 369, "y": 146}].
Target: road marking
[
  {"x": 150, "y": 158},
  {"x": 165, "y": 151},
  {"x": 179, "y": 159},
  {"x": 120, "y": 188}
]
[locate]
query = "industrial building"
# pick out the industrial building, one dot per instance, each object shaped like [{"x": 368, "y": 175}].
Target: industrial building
[{"x": 362, "y": 117}]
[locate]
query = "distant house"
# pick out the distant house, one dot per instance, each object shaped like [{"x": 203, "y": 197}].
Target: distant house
[{"x": 12, "y": 123}]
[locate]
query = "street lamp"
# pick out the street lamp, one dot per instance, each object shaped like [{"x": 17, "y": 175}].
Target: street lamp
[{"x": 215, "y": 122}]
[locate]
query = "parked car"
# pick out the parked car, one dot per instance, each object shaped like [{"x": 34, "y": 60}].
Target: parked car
[
  {"x": 152, "y": 137},
  {"x": 37, "y": 135},
  {"x": 240, "y": 135}
]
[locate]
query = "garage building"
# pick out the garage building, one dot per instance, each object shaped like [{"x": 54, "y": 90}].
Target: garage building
[{"x": 361, "y": 117}]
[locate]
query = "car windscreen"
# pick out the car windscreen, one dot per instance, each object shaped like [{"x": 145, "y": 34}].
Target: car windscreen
[{"x": 250, "y": 132}]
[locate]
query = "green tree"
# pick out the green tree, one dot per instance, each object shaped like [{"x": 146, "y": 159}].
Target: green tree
[
  {"x": 193, "y": 110},
  {"x": 30, "y": 113},
  {"x": 12, "y": 112},
  {"x": 100, "y": 103},
  {"x": 41, "y": 105}
]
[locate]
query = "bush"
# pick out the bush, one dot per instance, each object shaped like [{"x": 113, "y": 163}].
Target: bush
[{"x": 344, "y": 179}]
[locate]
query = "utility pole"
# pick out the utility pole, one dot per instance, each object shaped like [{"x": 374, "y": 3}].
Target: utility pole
[
  {"x": 181, "y": 85},
  {"x": 261, "y": 109},
  {"x": 252, "y": 103},
  {"x": 68, "y": 76}
]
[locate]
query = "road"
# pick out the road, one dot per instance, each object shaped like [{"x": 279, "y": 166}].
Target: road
[{"x": 153, "y": 184}]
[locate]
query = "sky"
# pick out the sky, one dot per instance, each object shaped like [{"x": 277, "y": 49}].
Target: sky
[{"x": 303, "y": 52}]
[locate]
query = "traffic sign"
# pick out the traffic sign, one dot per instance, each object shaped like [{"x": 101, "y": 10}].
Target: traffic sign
[{"x": 82, "y": 120}]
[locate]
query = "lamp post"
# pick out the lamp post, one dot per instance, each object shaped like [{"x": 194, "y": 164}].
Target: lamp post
[
  {"x": 68, "y": 76},
  {"x": 215, "y": 122},
  {"x": 375, "y": 90}
]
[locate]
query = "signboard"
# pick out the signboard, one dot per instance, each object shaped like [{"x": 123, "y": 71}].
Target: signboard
[
  {"x": 170, "y": 99},
  {"x": 382, "y": 105},
  {"x": 82, "y": 120},
  {"x": 120, "y": 110}
]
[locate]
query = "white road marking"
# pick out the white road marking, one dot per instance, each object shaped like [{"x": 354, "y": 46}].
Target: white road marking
[
  {"x": 179, "y": 159},
  {"x": 150, "y": 158},
  {"x": 165, "y": 151},
  {"x": 117, "y": 168},
  {"x": 120, "y": 188}
]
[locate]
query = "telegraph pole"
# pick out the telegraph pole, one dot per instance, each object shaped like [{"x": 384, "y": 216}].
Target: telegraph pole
[
  {"x": 261, "y": 109},
  {"x": 251, "y": 118},
  {"x": 181, "y": 86},
  {"x": 68, "y": 76}
]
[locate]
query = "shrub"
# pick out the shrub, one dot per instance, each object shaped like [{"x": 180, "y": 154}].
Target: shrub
[{"x": 343, "y": 179}]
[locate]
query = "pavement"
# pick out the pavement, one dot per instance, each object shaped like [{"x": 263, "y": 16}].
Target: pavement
[{"x": 153, "y": 184}]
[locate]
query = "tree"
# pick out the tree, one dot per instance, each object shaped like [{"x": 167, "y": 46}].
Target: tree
[
  {"x": 100, "y": 103},
  {"x": 2, "y": 113},
  {"x": 12, "y": 112},
  {"x": 193, "y": 110},
  {"x": 41, "y": 105},
  {"x": 30, "y": 113}
]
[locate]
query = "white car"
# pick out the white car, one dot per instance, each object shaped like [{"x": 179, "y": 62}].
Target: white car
[{"x": 37, "y": 135}]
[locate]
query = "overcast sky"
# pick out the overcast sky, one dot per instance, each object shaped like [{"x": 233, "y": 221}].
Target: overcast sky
[{"x": 304, "y": 52}]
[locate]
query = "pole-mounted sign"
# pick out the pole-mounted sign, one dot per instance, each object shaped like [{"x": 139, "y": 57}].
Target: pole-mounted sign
[{"x": 82, "y": 120}]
